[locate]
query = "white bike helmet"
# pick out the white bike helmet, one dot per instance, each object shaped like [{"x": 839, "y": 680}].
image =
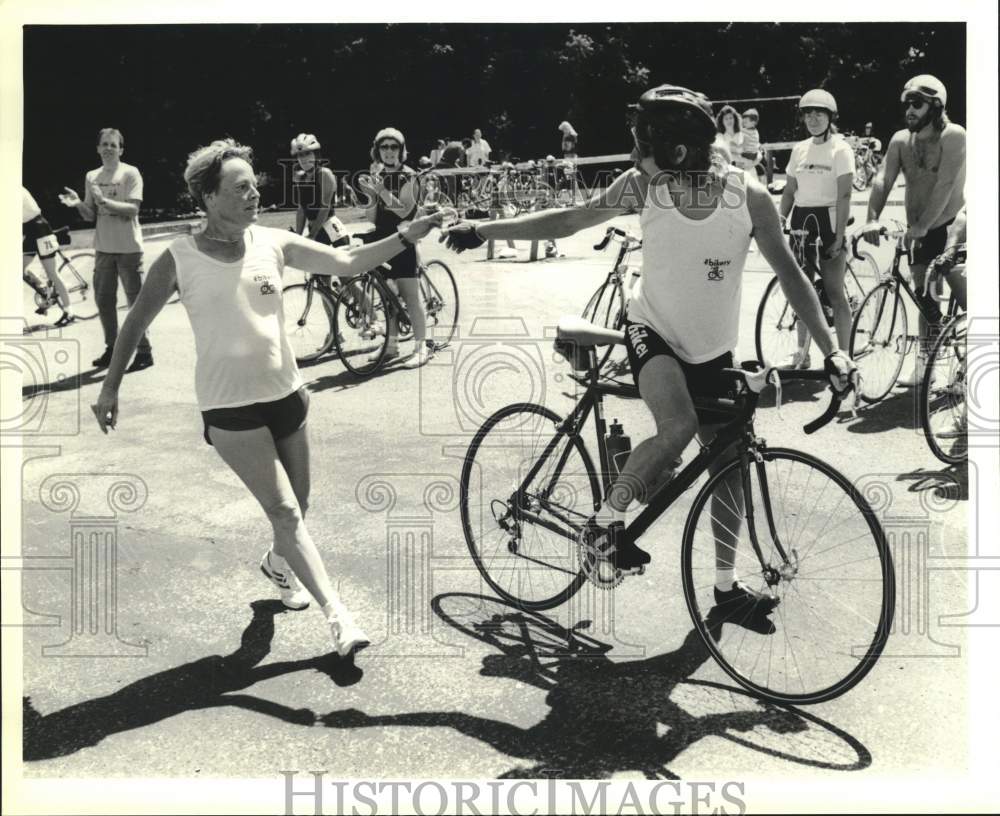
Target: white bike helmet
[
  {"x": 818, "y": 98},
  {"x": 304, "y": 143},
  {"x": 929, "y": 87},
  {"x": 389, "y": 133}
]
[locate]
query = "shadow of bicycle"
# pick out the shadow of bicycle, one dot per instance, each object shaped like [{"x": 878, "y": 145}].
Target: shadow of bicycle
[{"x": 606, "y": 717}]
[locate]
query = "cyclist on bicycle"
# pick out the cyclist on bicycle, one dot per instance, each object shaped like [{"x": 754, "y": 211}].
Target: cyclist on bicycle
[
  {"x": 873, "y": 143},
  {"x": 37, "y": 237},
  {"x": 697, "y": 220},
  {"x": 820, "y": 173},
  {"x": 314, "y": 190},
  {"x": 392, "y": 192},
  {"x": 930, "y": 152}
]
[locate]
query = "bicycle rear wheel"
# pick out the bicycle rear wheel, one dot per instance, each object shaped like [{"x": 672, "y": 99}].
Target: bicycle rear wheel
[
  {"x": 360, "y": 327},
  {"x": 776, "y": 331},
  {"x": 77, "y": 273},
  {"x": 943, "y": 409},
  {"x": 878, "y": 341},
  {"x": 308, "y": 318},
  {"x": 440, "y": 296},
  {"x": 607, "y": 309},
  {"x": 836, "y": 589},
  {"x": 524, "y": 543}
]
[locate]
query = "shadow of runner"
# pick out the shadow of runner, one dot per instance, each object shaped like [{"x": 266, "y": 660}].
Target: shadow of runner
[
  {"x": 205, "y": 683},
  {"x": 603, "y": 717}
]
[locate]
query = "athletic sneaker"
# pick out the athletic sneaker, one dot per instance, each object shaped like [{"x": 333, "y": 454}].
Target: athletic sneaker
[
  {"x": 915, "y": 378},
  {"x": 421, "y": 357},
  {"x": 744, "y": 600},
  {"x": 506, "y": 252},
  {"x": 347, "y": 636},
  {"x": 64, "y": 320},
  {"x": 625, "y": 554},
  {"x": 391, "y": 354},
  {"x": 293, "y": 594},
  {"x": 104, "y": 360}
]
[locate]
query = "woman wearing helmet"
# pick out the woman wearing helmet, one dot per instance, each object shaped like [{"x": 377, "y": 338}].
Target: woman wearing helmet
[
  {"x": 314, "y": 189},
  {"x": 392, "y": 191},
  {"x": 820, "y": 172},
  {"x": 697, "y": 219}
]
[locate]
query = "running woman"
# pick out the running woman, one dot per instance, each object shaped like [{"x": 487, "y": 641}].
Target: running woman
[
  {"x": 314, "y": 189},
  {"x": 392, "y": 192},
  {"x": 930, "y": 152},
  {"x": 697, "y": 218},
  {"x": 249, "y": 389},
  {"x": 37, "y": 236},
  {"x": 819, "y": 173}
]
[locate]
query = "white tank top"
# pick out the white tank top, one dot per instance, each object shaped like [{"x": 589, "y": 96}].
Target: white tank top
[
  {"x": 692, "y": 272},
  {"x": 239, "y": 329}
]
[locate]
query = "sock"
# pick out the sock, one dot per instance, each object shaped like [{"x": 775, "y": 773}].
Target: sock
[{"x": 724, "y": 579}]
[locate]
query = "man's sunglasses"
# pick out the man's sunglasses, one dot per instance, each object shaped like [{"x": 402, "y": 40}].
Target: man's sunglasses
[
  {"x": 388, "y": 146},
  {"x": 915, "y": 102}
]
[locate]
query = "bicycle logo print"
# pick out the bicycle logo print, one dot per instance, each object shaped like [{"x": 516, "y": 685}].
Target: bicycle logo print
[{"x": 716, "y": 269}]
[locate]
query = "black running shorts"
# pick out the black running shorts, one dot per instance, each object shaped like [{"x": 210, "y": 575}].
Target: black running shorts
[{"x": 281, "y": 417}]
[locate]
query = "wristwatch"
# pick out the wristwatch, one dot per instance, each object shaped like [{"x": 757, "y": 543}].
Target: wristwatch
[{"x": 406, "y": 241}]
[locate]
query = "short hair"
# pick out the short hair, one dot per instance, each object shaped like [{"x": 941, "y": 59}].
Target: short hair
[
  {"x": 111, "y": 132},
  {"x": 722, "y": 113},
  {"x": 204, "y": 166}
]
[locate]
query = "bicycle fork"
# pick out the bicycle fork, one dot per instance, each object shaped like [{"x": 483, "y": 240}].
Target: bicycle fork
[{"x": 789, "y": 567}]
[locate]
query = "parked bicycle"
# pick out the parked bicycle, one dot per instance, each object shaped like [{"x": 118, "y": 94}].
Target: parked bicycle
[
  {"x": 804, "y": 533},
  {"x": 76, "y": 272},
  {"x": 608, "y": 306},
  {"x": 880, "y": 337},
  {"x": 777, "y": 327}
]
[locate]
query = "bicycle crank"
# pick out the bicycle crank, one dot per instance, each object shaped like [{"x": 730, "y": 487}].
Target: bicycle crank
[{"x": 595, "y": 563}]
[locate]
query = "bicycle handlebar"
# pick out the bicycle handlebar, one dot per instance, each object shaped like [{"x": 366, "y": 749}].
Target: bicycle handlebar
[
  {"x": 762, "y": 378},
  {"x": 613, "y": 232}
]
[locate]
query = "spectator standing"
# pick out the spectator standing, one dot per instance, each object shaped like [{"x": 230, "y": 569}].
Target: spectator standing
[{"x": 478, "y": 151}]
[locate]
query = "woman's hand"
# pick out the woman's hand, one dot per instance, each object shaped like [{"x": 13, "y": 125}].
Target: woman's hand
[
  {"x": 419, "y": 227},
  {"x": 106, "y": 410},
  {"x": 70, "y": 197}
]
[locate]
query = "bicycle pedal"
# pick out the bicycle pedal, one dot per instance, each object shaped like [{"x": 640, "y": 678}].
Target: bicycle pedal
[{"x": 641, "y": 570}]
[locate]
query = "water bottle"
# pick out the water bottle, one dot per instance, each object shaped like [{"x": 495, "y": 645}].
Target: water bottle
[{"x": 619, "y": 446}]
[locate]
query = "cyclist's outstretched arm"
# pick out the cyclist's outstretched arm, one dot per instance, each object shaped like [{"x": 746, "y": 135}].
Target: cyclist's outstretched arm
[{"x": 802, "y": 296}]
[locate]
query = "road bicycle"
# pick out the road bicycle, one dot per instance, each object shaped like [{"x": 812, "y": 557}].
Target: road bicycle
[
  {"x": 77, "y": 273},
  {"x": 943, "y": 408},
  {"x": 880, "y": 338},
  {"x": 799, "y": 529},
  {"x": 777, "y": 326},
  {"x": 608, "y": 305},
  {"x": 366, "y": 304}
]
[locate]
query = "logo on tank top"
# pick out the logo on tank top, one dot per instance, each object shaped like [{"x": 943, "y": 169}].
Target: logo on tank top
[
  {"x": 266, "y": 286},
  {"x": 716, "y": 268}
]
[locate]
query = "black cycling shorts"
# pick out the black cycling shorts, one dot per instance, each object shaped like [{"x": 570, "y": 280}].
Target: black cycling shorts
[
  {"x": 817, "y": 223},
  {"x": 281, "y": 417},
  {"x": 931, "y": 245},
  {"x": 703, "y": 379},
  {"x": 31, "y": 231},
  {"x": 403, "y": 265}
]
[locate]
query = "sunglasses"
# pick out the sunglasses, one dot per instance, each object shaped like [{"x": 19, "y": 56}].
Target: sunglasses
[
  {"x": 388, "y": 146},
  {"x": 815, "y": 111},
  {"x": 915, "y": 102}
]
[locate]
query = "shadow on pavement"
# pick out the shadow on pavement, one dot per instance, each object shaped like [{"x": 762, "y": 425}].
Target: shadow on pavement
[
  {"x": 344, "y": 379},
  {"x": 210, "y": 682},
  {"x": 607, "y": 717},
  {"x": 898, "y": 410},
  {"x": 950, "y": 484},
  {"x": 84, "y": 378}
]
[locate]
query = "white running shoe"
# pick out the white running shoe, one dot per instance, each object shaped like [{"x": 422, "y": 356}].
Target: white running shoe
[
  {"x": 421, "y": 357},
  {"x": 915, "y": 378},
  {"x": 506, "y": 252},
  {"x": 347, "y": 636},
  {"x": 293, "y": 594}
]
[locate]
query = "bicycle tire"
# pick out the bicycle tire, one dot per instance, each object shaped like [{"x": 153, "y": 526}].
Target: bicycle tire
[
  {"x": 533, "y": 583},
  {"x": 77, "y": 273},
  {"x": 840, "y": 560},
  {"x": 878, "y": 341},
  {"x": 943, "y": 392},
  {"x": 441, "y": 301},
  {"x": 360, "y": 333},
  {"x": 775, "y": 330},
  {"x": 308, "y": 320},
  {"x": 606, "y": 308}
]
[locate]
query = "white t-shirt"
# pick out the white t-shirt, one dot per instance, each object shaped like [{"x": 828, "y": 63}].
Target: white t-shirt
[
  {"x": 478, "y": 154},
  {"x": 29, "y": 207},
  {"x": 816, "y": 168},
  {"x": 236, "y": 313},
  {"x": 692, "y": 272}
]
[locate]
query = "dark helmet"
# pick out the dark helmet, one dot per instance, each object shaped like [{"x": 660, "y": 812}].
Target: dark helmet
[{"x": 674, "y": 113}]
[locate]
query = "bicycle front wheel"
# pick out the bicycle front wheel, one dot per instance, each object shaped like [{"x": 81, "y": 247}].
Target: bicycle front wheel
[
  {"x": 824, "y": 557},
  {"x": 943, "y": 409},
  {"x": 440, "y": 296},
  {"x": 776, "y": 331},
  {"x": 878, "y": 341},
  {"x": 77, "y": 273},
  {"x": 522, "y": 534},
  {"x": 360, "y": 327},
  {"x": 308, "y": 318}
]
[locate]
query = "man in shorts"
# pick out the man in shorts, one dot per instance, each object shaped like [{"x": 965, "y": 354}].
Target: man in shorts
[
  {"x": 697, "y": 219},
  {"x": 930, "y": 152},
  {"x": 37, "y": 236}
]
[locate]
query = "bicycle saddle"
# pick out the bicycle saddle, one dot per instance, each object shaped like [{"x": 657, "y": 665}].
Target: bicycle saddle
[{"x": 584, "y": 333}]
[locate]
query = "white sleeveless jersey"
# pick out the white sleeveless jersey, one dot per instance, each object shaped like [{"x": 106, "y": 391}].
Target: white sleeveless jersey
[
  {"x": 236, "y": 314},
  {"x": 692, "y": 272}
]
